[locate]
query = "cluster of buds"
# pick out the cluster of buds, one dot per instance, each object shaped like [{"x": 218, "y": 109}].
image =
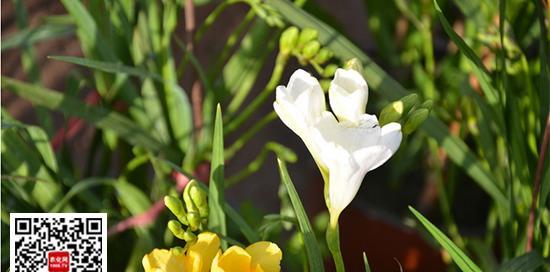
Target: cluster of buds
[
  {"x": 305, "y": 46},
  {"x": 192, "y": 212},
  {"x": 407, "y": 111}
]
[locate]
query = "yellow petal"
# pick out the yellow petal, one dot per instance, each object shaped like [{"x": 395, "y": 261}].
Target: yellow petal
[
  {"x": 163, "y": 260},
  {"x": 234, "y": 259},
  {"x": 267, "y": 255},
  {"x": 202, "y": 252},
  {"x": 215, "y": 266}
]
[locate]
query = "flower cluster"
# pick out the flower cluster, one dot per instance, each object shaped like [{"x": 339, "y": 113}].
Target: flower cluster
[{"x": 204, "y": 254}]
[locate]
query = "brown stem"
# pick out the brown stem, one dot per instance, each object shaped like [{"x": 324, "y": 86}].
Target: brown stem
[
  {"x": 536, "y": 188},
  {"x": 150, "y": 215},
  {"x": 196, "y": 89}
]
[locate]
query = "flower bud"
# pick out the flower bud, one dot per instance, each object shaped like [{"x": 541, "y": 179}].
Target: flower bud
[
  {"x": 177, "y": 250},
  {"x": 416, "y": 118},
  {"x": 199, "y": 198},
  {"x": 194, "y": 220},
  {"x": 310, "y": 49},
  {"x": 323, "y": 56},
  {"x": 175, "y": 205},
  {"x": 354, "y": 64},
  {"x": 325, "y": 84},
  {"x": 189, "y": 236},
  {"x": 330, "y": 70},
  {"x": 189, "y": 203},
  {"x": 394, "y": 111},
  {"x": 177, "y": 229},
  {"x": 428, "y": 104},
  {"x": 307, "y": 34},
  {"x": 288, "y": 40}
]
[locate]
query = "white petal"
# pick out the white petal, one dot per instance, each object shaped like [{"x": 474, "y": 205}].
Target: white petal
[
  {"x": 301, "y": 103},
  {"x": 348, "y": 95},
  {"x": 390, "y": 139}
]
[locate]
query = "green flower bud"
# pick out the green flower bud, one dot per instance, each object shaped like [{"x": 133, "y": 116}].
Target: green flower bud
[
  {"x": 194, "y": 220},
  {"x": 175, "y": 205},
  {"x": 323, "y": 56},
  {"x": 391, "y": 113},
  {"x": 310, "y": 49},
  {"x": 395, "y": 110},
  {"x": 325, "y": 84},
  {"x": 330, "y": 70},
  {"x": 189, "y": 203},
  {"x": 428, "y": 104},
  {"x": 416, "y": 118},
  {"x": 307, "y": 34},
  {"x": 177, "y": 229},
  {"x": 354, "y": 64},
  {"x": 199, "y": 198},
  {"x": 177, "y": 250},
  {"x": 288, "y": 40},
  {"x": 189, "y": 236},
  {"x": 409, "y": 102}
]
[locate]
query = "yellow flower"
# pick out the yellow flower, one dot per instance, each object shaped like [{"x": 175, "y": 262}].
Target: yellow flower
[
  {"x": 205, "y": 255},
  {"x": 197, "y": 258},
  {"x": 259, "y": 257}
]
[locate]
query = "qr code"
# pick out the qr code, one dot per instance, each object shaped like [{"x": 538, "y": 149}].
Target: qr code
[{"x": 58, "y": 242}]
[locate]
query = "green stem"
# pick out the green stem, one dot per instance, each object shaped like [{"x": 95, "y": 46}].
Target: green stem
[
  {"x": 280, "y": 64},
  {"x": 333, "y": 242}
]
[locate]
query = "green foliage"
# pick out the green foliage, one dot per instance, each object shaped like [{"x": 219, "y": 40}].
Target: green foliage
[
  {"x": 476, "y": 90},
  {"x": 310, "y": 242}
]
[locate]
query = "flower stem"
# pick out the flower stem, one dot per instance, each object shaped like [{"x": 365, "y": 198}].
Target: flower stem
[{"x": 333, "y": 242}]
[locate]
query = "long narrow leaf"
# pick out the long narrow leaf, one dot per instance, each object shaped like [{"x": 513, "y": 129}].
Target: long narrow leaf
[
  {"x": 216, "y": 218},
  {"x": 312, "y": 248},
  {"x": 390, "y": 89},
  {"x": 109, "y": 67},
  {"x": 456, "y": 254},
  {"x": 480, "y": 70},
  {"x": 245, "y": 229},
  {"x": 526, "y": 262},
  {"x": 98, "y": 116}
]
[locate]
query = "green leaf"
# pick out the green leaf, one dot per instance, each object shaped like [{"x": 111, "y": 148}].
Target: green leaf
[
  {"x": 526, "y": 262},
  {"x": 109, "y": 67},
  {"x": 98, "y": 116},
  {"x": 479, "y": 69},
  {"x": 80, "y": 187},
  {"x": 216, "y": 219},
  {"x": 366, "y": 262},
  {"x": 242, "y": 69},
  {"x": 249, "y": 233},
  {"x": 30, "y": 36},
  {"x": 312, "y": 248},
  {"x": 463, "y": 262},
  {"x": 391, "y": 90},
  {"x": 132, "y": 198}
]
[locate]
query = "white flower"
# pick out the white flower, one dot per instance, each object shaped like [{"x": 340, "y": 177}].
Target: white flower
[{"x": 345, "y": 149}]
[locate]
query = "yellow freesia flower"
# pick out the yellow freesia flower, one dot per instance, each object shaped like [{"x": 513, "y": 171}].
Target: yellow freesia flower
[
  {"x": 259, "y": 257},
  {"x": 197, "y": 258},
  {"x": 205, "y": 255}
]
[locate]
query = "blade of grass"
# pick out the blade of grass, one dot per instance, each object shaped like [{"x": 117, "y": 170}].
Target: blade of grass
[
  {"x": 109, "y": 67},
  {"x": 479, "y": 69},
  {"x": 526, "y": 262},
  {"x": 456, "y": 254},
  {"x": 312, "y": 248},
  {"x": 216, "y": 218},
  {"x": 30, "y": 36},
  {"x": 391, "y": 90},
  {"x": 98, "y": 116},
  {"x": 80, "y": 187},
  {"x": 249, "y": 233}
]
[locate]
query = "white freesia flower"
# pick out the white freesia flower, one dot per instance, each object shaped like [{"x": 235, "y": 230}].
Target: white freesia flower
[{"x": 345, "y": 149}]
